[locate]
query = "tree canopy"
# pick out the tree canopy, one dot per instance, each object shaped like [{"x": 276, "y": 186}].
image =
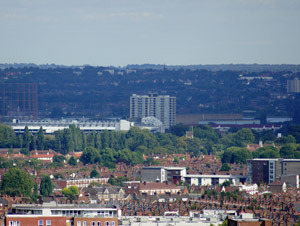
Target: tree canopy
[
  {"x": 71, "y": 193},
  {"x": 46, "y": 186},
  {"x": 16, "y": 182}
]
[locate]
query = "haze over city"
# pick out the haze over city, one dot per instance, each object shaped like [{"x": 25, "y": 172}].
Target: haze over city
[
  {"x": 172, "y": 32},
  {"x": 143, "y": 113}
]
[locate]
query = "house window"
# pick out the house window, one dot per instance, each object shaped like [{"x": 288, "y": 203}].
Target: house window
[
  {"x": 78, "y": 223},
  {"x": 84, "y": 223},
  {"x": 93, "y": 223},
  {"x": 48, "y": 222},
  {"x": 98, "y": 223},
  {"x": 41, "y": 222},
  {"x": 106, "y": 223},
  {"x": 112, "y": 223},
  {"x": 14, "y": 223}
]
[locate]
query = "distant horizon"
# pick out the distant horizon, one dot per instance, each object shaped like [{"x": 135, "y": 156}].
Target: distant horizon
[{"x": 141, "y": 64}]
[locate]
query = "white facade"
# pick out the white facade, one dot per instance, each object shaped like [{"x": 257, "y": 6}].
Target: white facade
[
  {"x": 207, "y": 180},
  {"x": 50, "y": 126},
  {"x": 69, "y": 210},
  {"x": 293, "y": 86},
  {"x": 161, "y": 173},
  {"x": 161, "y": 107}
]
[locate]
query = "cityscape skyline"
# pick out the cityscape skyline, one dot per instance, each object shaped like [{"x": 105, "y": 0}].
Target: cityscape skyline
[{"x": 159, "y": 32}]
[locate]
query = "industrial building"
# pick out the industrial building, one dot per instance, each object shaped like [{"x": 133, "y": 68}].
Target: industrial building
[{"x": 50, "y": 126}]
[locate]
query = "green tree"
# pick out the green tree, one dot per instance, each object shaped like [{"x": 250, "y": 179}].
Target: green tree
[
  {"x": 286, "y": 140},
  {"x": 90, "y": 156},
  {"x": 71, "y": 193},
  {"x": 105, "y": 139},
  {"x": 267, "y": 152},
  {"x": 59, "y": 158},
  {"x": 35, "y": 194},
  {"x": 225, "y": 167},
  {"x": 46, "y": 186},
  {"x": 94, "y": 173},
  {"x": 40, "y": 139},
  {"x": 26, "y": 138},
  {"x": 72, "y": 161},
  {"x": 178, "y": 130},
  {"x": 32, "y": 145},
  {"x": 206, "y": 132},
  {"x": 67, "y": 142},
  {"x": 7, "y": 136},
  {"x": 288, "y": 151},
  {"x": 236, "y": 155},
  {"x": 16, "y": 182},
  {"x": 25, "y": 151},
  {"x": 119, "y": 181},
  {"x": 243, "y": 137},
  {"x": 108, "y": 158}
]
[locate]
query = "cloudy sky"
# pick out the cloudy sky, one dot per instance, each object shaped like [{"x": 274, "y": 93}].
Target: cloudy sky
[{"x": 172, "y": 32}]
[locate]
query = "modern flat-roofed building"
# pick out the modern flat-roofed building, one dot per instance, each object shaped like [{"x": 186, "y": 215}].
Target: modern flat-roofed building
[
  {"x": 52, "y": 214},
  {"x": 270, "y": 170},
  {"x": 162, "y": 107},
  {"x": 50, "y": 126},
  {"x": 160, "y": 174},
  {"x": 207, "y": 180}
]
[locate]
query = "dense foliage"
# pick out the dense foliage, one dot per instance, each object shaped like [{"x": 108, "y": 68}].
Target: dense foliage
[
  {"x": 71, "y": 193},
  {"x": 46, "y": 186},
  {"x": 16, "y": 182},
  {"x": 110, "y": 147}
]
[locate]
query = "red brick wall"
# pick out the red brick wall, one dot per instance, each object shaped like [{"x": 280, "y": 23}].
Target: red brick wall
[
  {"x": 249, "y": 223},
  {"x": 33, "y": 221},
  {"x": 95, "y": 219}
]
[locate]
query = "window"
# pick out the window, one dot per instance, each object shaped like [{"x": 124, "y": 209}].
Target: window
[
  {"x": 93, "y": 223},
  {"x": 41, "y": 222},
  {"x": 112, "y": 223},
  {"x": 98, "y": 223},
  {"x": 84, "y": 223},
  {"x": 106, "y": 223},
  {"x": 48, "y": 222},
  {"x": 78, "y": 223},
  {"x": 14, "y": 223}
]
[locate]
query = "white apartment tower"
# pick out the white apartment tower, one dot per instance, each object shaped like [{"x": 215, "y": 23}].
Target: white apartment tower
[
  {"x": 162, "y": 107},
  {"x": 293, "y": 86}
]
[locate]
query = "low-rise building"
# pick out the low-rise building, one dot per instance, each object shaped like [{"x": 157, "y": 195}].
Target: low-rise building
[
  {"x": 52, "y": 214},
  {"x": 79, "y": 182},
  {"x": 270, "y": 170},
  {"x": 107, "y": 193},
  {"x": 152, "y": 188},
  {"x": 160, "y": 174},
  {"x": 207, "y": 180}
]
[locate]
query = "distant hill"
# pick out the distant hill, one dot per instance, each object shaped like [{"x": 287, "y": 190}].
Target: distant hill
[
  {"x": 209, "y": 67},
  {"x": 222, "y": 67},
  {"x": 105, "y": 91}
]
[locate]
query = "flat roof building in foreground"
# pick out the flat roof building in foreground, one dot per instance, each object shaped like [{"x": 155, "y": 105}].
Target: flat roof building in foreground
[
  {"x": 162, "y": 107},
  {"x": 52, "y": 214}
]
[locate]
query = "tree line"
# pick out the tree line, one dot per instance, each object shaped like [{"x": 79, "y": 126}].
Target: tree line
[{"x": 110, "y": 147}]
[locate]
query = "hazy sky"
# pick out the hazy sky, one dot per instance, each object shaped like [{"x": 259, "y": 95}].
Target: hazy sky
[{"x": 120, "y": 32}]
